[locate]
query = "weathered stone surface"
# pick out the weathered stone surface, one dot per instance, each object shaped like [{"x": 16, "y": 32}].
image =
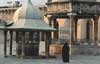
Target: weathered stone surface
[{"x": 85, "y": 50}]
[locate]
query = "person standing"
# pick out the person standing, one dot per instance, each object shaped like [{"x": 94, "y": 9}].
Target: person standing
[{"x": 65, "y": 52}]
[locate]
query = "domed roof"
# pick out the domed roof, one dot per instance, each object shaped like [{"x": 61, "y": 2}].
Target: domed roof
[
  {"x": 29, "y": 17},
  {"x": 28, "y": 11}
]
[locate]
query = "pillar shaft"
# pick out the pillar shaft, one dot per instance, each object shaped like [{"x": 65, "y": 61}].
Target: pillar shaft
[
  {"x": 5, "y": 43},
  {"x": 96, "y": 26},
  {"x": 75, "y": 30},
  {"x": 11, "y": 42},
  {"x": 23, "y": 46},
  {"x": 16, "y": 36},
  {"x": 46, "y": 45},
  {"x": 71, "y": 32},
  {"x": 96, "y": 31},
  {"x": 71, "y": 28},
  {"x": 17, "y": 41}
]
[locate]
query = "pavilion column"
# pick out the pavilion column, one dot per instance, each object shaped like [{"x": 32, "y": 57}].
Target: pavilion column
[
  {"x": 5, "y": 43},
  {"x": 17, "y": 37},
  {"x": 46, "y": 44},
  {"x": 11, "y": 42},
  {"x": 31, "y": 37},
  {"x": 23, "y": 41},
  {"x": 17, "y": 43},
  {"x": 40, "y": 36}
]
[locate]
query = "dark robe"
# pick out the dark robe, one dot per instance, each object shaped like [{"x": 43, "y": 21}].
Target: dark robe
[{"x": 65, "y": 53}]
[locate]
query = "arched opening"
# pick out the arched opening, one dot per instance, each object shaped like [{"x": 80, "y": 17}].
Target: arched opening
[
  {"x": 81, "y": 29},
  {"x": 64, "y": 26},
  {"x": 76, "y": 30},
  {"x": 89, "y": 30},
  {"x": 56, "y": 26},
  {"x": 85, "y": 30}
]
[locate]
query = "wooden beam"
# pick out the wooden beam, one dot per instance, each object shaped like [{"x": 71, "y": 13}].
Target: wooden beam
[
  {"x": 5, "y": 44},
  {"x": 11, "y": 42}
]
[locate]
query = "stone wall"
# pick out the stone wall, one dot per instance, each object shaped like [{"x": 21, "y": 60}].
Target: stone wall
[
  {"x": 88, "y": 0},
  {"x": 85, "y": 50}
]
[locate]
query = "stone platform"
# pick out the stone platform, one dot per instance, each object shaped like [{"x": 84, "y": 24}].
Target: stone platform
[{"x": 85, "y": 50}]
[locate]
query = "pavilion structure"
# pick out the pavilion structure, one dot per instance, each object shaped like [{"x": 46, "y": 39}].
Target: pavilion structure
[{"x": 28, "y": 26}]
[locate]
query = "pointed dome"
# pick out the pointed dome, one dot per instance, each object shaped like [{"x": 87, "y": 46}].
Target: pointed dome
[
  {"x": 29, "y": 17},
  {"x": 28, "y": 11}
]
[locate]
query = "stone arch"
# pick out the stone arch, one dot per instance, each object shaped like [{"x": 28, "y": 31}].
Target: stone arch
[
  {"x": 90, "y": 30},
  {"x": 56, "y": 26},
  {"x": 64, "y": 28},
  {"x": 52, "y": 21},
  {"x": 85, "y": 29}
]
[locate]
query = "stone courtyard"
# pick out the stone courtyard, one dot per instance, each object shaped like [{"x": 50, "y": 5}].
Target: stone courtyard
[{"x": 76, "y": 59}]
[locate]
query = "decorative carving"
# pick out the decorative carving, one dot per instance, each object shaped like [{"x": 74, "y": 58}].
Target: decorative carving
[
  {"x": 86, "y": 8},
  {"x": 65, "y": 7},
  {"x": 78, "y": 7}
]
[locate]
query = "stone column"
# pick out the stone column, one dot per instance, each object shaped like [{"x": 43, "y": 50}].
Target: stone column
[
  {"x": 74, "y": 29},
  {"x": 71, "y": 31},
  {"x": 92, "y": 36},
  {"x": 96, "y": 31},
  {"x": 96, "y": 24}
]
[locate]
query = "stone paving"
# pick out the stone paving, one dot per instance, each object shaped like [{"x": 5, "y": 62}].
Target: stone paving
[{"x": 78, "y": 59}]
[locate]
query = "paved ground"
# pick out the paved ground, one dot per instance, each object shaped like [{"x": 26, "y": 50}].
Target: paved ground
[{"x": 74, "y": 60}]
